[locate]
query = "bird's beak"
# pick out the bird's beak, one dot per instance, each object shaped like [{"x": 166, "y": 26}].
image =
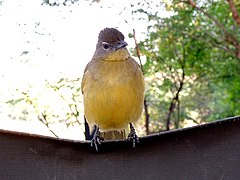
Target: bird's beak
[{"x": 121, "y": 44}]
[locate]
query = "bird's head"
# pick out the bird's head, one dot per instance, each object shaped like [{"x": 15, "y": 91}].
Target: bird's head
[{"x": 111, "y": 46}]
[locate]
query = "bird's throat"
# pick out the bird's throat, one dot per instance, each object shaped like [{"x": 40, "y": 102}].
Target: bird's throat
[{"x": 119, "y": 55}]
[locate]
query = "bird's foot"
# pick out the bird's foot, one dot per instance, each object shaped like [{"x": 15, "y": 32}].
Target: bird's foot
[
  {"x": 132, "y": 136},
  {"x": 96, "y": 140}
]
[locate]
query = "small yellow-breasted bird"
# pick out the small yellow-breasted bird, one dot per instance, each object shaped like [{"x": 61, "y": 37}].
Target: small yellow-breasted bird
[{"x": 112, "y": 87}]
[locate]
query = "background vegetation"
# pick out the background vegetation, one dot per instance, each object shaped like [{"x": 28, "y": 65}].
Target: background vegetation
[
  {"x": 193, "y": 63},
  {"x": 190, "y": 59}
]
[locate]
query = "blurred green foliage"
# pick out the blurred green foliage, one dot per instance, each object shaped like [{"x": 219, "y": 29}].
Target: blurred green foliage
[{"x": 192, "y": 66}]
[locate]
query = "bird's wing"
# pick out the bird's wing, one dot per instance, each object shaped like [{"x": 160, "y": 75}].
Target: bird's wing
[{"x": 86, "y": 71}]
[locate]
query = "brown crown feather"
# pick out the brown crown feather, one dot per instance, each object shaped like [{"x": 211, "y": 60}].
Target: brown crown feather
[{"x": 110, "y": 35}]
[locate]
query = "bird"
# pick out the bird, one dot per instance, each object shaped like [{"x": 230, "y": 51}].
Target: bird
[{"x": 112, "y": 87}]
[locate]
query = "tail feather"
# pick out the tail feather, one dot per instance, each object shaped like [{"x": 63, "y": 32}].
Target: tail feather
[{"x": 113, "y": 135}]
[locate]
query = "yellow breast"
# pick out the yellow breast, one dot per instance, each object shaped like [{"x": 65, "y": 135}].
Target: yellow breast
[{"x": 113, "y": 94}]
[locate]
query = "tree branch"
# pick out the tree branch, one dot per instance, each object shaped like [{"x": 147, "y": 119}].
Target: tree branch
[
  {"x": 213, "y": 42},
  {"x": 43, "y": 119},
  {"x": 145, "y": 105},
  {"x": 137, "y": 50},
  {"x": 175, "y": 101},
  {"x": 234, "y": 11},
  {"x": 229, "y": 38}
]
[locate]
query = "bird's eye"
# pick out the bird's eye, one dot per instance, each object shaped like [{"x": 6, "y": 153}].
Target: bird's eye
[{"x": 105, "y": 45}]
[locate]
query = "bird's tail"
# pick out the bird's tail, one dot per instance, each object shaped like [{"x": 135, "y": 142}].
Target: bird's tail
[{"x": 113, "y": 135}]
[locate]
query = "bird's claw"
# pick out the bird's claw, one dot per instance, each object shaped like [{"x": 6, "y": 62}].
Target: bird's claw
[
  {"x": 132, "y": 136},
  {"x": 96, "y": 140}
]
